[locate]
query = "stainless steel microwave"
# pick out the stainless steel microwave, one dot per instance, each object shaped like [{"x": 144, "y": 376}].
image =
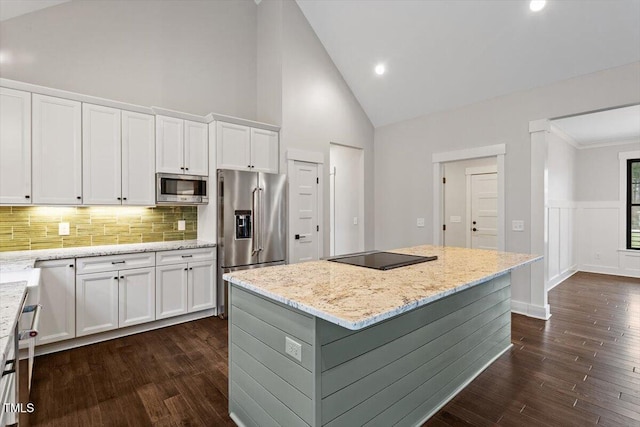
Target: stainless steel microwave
[{"x": 175, "y": 189}]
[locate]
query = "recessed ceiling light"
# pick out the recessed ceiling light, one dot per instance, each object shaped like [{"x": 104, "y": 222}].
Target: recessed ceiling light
[
  {"x": 380, "y": 69},
  {"x": 537, "y": 5}
]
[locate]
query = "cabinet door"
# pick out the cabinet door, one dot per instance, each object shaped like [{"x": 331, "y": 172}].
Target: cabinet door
[
  {"x": 138, "y": 159},
  {"x": 57, "y": 296},
  {"x": 196, "y": 148},
  {"x": 202, "y": 285},
  {"x": 15, "y": 147},
  {"x": 169, "y": 145},
  {"x": 171, "y": 290},
  {"x": 264, "y": 150},
  {"x": 96, "y": 302},
  {"x": 56, "y": 151},
  {"x": 101, "y": 155},
  {"x": 137, "y": 296},
  {"x": 234, "y": 146}
]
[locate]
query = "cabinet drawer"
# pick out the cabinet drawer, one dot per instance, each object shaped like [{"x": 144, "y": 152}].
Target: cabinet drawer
[
  {"x": 98, "y": 264},
  {"x": 185, "y": 255}
]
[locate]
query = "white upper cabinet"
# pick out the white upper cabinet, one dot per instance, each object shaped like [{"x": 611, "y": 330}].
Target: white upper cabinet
[
  {"x": 101, "y": 153},
  {"x": 196, "y": 148},
  {"x": 138, "y": 159},
  {"x": 182, "y": 146},
  {"x": 264, "y": 150},
  {"x": 234, "y": 146},
  {"x": 56, "y": 151},
  {"x": 15, "y": 146},
  {"x": 245, "y": 148},
  {"x": 169, "y": 145}
]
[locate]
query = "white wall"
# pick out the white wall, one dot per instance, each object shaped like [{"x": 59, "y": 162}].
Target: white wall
[
  {"x": 600, "y": 244},
  {"x": 455, "y": 198},
  {"x": 561, "y": 209},
  {"x": 196, "y": 59},
  {"x": 347, "y": 203},
  {"x": 319, "y": 108},
  {"x": 403, "y": 155}
]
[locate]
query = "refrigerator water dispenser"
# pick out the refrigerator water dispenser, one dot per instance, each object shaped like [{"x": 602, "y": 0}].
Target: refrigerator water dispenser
[{"x": 243, "y": 224}]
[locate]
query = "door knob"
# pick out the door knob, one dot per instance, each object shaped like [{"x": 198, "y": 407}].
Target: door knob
[
  {"x": 474, "y": 223},
  {"x": 297, "y": 237},
  {"x": 475, "y": 229}
]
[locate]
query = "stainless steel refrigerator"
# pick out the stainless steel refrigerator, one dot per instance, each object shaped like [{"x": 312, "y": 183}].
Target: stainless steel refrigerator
[{"x": 251, "y": 224}]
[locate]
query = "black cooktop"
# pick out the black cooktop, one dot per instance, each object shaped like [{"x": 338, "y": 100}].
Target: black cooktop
[{"x": 382, "y": 260}]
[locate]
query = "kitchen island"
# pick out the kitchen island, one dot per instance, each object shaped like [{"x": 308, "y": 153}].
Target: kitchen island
[{"x": 322, "y": 343}]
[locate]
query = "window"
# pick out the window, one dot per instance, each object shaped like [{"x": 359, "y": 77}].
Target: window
[{"x": 633, "y": 204}]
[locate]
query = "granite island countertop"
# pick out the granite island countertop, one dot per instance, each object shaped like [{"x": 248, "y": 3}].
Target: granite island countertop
[
  {"x": 356, "y": 297},
  {"x": 11, "y": 297},
  {"x": 21, "y": 260}
]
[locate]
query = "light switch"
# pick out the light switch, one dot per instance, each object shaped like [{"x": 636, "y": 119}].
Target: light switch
[
  {"x": 63, "y": 229},
  {"x": 182, "y": 225},
  {"x": 355, "y": 220},
  {"x": 420, "y": 222},
  {"x": 517, "y": 225}
]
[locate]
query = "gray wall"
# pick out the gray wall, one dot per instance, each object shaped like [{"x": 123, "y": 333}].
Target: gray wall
[
  {"x": 196, "y": 59},
  {"x": 403, "y": 154},
  {"x": 561, "y": 166},
  {"x": 318, "y": 108}
]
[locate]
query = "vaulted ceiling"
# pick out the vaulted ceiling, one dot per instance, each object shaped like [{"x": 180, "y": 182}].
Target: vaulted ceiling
[{"x": 441, "y": 54}]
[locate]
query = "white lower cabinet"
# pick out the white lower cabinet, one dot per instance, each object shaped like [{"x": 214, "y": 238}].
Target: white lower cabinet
[
  {"x": 184, "y": 287},
  {"x": 57, "y": 296},
  {"x": 114, "y": 299}
]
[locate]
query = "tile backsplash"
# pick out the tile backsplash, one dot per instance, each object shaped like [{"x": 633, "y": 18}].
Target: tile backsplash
[{"x": 36, "y": 227}]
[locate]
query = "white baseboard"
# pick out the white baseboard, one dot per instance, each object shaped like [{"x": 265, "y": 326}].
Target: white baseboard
[
  {"x": 555, "y": 281},
  {"x": 613, "y": 271},
  {"x": 531, "y": 310},
  {"x": 116, "y": 333}
]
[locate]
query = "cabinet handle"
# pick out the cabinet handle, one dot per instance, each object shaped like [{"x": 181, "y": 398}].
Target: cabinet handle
[
  {"x": 70, "y": 265},
  {"x": 186, "y": 269},
  {"x": 118, "y": 262},
  {"x": 124, "y": 198},
  {"x": 190, "y": 268},
  {"x": 122, "y": 277},
  {"x": 187, "y": 256},
  {"x": 27, "y": 197},
  {"x": 186, "y": 169},
  {"x": 182, "y": 168},
  {"x": 119, "y": 198},
  {"x": 249, "y": 166},
  {"x": 79, "y": 197},
  {"x": 115, "y": 278}
]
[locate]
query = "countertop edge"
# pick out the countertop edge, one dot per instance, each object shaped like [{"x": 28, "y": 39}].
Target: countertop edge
[
  {"x": 354, "y": 326},
  {"x": 12, "y": 316},
  {"x": 27, "y": 259}
]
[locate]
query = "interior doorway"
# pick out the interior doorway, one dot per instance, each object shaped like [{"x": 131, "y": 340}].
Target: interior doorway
[
  {"x": 346, "y": 199},
  {"x": 470, "y": 203}
]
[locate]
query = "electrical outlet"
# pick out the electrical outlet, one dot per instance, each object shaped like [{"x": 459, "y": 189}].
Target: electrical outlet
[
  {"x": 420, "y": 222},
  {"x": 517, "y": 225},
  {"x": 182, "y": 225},
  {"x": 293, "y": 349},
  {"x": 63, "y": 229}
]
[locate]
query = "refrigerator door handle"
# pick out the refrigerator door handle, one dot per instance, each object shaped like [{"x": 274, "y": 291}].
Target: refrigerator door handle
[
  {"x": 262, "y": 216},
  {"x": 254, "y": 232}
]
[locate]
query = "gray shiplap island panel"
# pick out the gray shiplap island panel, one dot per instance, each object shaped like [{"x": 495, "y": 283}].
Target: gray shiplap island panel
[{"x": 396, "y": 372}]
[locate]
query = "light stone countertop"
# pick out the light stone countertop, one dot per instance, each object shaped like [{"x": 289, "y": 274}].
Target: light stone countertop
[
  {"x": 22, "y": 260},
  {"x": 356, "y": 297},
  {"x": 11, "y": 297}
]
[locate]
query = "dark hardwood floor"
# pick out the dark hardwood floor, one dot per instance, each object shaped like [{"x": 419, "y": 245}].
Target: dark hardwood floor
[{"x": 582, "y": 367}]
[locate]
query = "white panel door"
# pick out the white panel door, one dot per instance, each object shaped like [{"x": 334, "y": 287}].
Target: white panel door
[
  {"x": 196, "y": 148},
  {"x": 137, "y": 296},
  {"x": 138, "y": 159},
  {"x": 169, "y": 145},
  {"x": 234, "y": 146},
  {"x": 484, "y": 211},
  {"x": 202, "y": 285},
  {"x": 264, "y": 151},
  {"x": 171, "y": 290},
  {"x": 304, "y": 203},
  {"x": 96, "y": 302},
  {"x": 56, "y": 151},
  {"x": 101, "y": 155},
  {"x": 15, "y": 146},
  {"x": 58, "y": 299}
]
